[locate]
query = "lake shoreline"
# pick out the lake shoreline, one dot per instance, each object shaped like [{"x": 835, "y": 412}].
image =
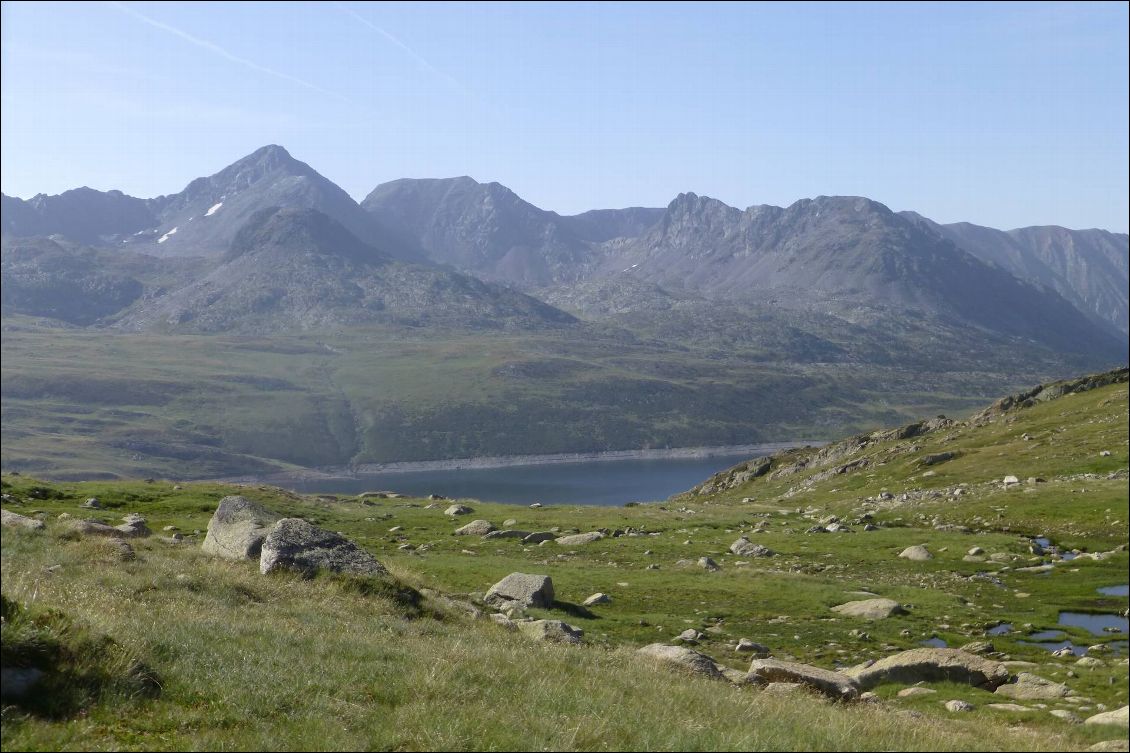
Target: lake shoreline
[{"x": 343, "y": 473}]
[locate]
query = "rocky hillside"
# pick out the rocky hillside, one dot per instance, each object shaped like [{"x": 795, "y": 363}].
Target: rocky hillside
[{"x": 295, "y": 270}]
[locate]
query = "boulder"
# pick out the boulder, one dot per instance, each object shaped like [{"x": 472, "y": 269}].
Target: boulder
[
  {"x": 597, "y": 598},
  {"x": 1030, "y": 687},
  {"x": 294, "y": 544},
  {"x": 237, "y": 528},
  {"x": 133, "y": 527},
  {"x": 539, "y": 536},
  {"x": 506, "y": 535},
  {"x": 915, "y": 692},
  {"x": 580, "y": 538},
  {"x": 458, "y": 510},
  {"x": 831, "y": 684},
  {"x": 936, "y": 458},
  {"x": 870, "y": 609},
  {"x": 475, "y": 528},
  {"x": 1111, "y": 745},
  {"x": 745, "y": 645},
  {"x": 918, "y": 553},
  {"x": 522, "y": 591},
  {"x": 1117, "y": 717},
  {"x": 15, "y": 520},
  {"x": 932, "y": 665},
  {"x": 1014, "y": 708},
  {"x": 554, "y": 631},
  {"x": 743, "y": 547},
  {"x": 682, "y": 658},
  {"x": 89, "y": 527},
  {"x": 706, "y": 563},
  {"x": 957, "y": 705}
]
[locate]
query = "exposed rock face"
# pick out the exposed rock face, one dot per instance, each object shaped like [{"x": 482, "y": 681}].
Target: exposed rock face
[
  {"x": 932, "y": 665},
  {"x": 831, "y": 684},
  {"x": 580, "y": 538},
  {"x": 294, "y": 544},
  {"x": 918, "y": 553},
  {"x": 682, "y": 658},
  {"x": 15, "y": 520},
  {"x": 475, "y": 528},
  {"x": 555, "y": 631},
  {"x": 522, "y": 591},
  {"x": 237, "y": 528},
  {"x": 870, "y": 609},
  {"x": 1030, "y": 687}
]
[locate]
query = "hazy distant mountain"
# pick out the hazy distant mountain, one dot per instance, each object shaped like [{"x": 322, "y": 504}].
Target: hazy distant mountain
[
  {"x": 481, "y": 228},
  {"x": 599, "y": 225},
  {"x": 832, "y": 253},
  {"x": 1090, "y": 268},
  {"x": 293, "y": 270},
  {"x": 83, "y": 215}
]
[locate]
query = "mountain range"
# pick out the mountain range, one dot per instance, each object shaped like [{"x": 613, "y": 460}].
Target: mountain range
[{"x": 268, "y": 248}]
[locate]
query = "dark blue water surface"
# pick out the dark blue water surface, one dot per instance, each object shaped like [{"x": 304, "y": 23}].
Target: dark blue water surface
[{"x": 607, "y": 482}]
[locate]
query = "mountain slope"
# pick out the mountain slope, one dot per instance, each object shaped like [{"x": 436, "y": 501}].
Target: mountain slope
[
  {"x": 293, "y": 270},
  {"x": 836, "y": 254},
  {"x": 1090, "y": 268},
  {"x": 83, "y": 215}
]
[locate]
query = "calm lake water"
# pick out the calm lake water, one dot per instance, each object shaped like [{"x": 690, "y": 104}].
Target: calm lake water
[{"x": 609, "y": 482}]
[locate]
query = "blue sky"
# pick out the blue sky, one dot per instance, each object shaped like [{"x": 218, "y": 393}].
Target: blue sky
[{"x": 1004, "y": 115}]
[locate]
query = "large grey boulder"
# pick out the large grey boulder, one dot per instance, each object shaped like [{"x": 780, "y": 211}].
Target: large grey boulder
[
  {"x": 90, "y": 527},
  {"x": 237, "y": 528},
  {"x": 831, "y": 684},
  {"x": 15, "y": 520},
  {"x": 682, "y": 658},
  {"x": 870, "y": 609},
  {"x": 522, "y": 591},
  {"x": 1119, "y": 717},
  {"x": 134, "y": 526},
  {"x": 294, "y": 544},
  {"x": 475, "y": 528},
  {"x": 510, "y": 534},
  {"x": 539, "y": 536},
  {"x": 917, "y": 553},
  {"x": 932, "y": 665},
  {"x": 458, "y": 510},
  {"x": 743, "y": 547},
  {"x": 1030, "y": 687},
  {"x": 554, "y": 631},
  {"x": 580, "y": 538}
]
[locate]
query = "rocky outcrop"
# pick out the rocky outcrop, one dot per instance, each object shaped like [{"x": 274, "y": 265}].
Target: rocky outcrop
[
  {"x": 237, "y": 528},
  {"x": 870, "y": 609},
  {"x": 682, "y": 658},
  {"x": 1030, "y": 687},
  {"x": 743, "y": 547},
  {"x": 932, "y": 665},
  {"x": 15, "y": 520},
  {"x": 294, "y": 544},
  {"x": 475, "y": 528},
  {"x": 580, "y": 538},
  {"x": 1118, "y": 717},
  {"x": 832, "y": 684},
  {"x": 554, "y": 631}
]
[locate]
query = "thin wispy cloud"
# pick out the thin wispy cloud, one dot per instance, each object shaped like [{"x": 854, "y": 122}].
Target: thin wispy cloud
[
  {"x": 420, "y": 60},
  {"x": 215, "y": 49}
]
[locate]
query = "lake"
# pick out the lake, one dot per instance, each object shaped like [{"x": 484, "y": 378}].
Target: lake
[{"x": 604, "y": 482}]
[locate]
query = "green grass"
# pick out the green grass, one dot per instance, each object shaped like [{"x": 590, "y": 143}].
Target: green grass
[{"x": 97, "y": 404}]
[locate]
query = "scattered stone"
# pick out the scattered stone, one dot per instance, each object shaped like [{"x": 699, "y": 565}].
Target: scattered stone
[
  {"x": 1065, "y": 715},
  {"x": 16, "y": 683},
  {"x": 539, "y": 536},
  {"x": 682, "y": 658},
  {"x": 597, "y": 598},
  {"x": 1117, "y": 717},
  {"x": 551, "y": 630},
  {"x": 759, "y": 651},
  {"x": 932, "y": 665},
  {"x": 1030, "y": 687},
  {"x": 92, "y": 503},
  {"x": 1010, "y": 480},
  {"x": 743, "y": 547},
  {"x": 15, "y": 520},
  {"x": 708, "y": 564},
  {"x": 458, "y": 510},
  {"x": 580, "y": 538},
  {"x": 957, "y": 705},
  {"x": 918, "y": 553},
  {"x": 870, "y": 609},
  {"x": 475, "y": 528},
  {"x": 915, "y": 692},
  {"x": 973, "y": 552},
  {"x": 690, "y": 636},
  {"x": 522, "y": 591},
  {"x": 237, "y": 528},
  {"x": 832, "y": 684},
  {"x": 1089, "y": 661},
  {"x": 294, "y": 544},
  {"x": 936, "y": 458},
  {"x": 1013, "y": 707},
  {"x": 133, "y": 527}
]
